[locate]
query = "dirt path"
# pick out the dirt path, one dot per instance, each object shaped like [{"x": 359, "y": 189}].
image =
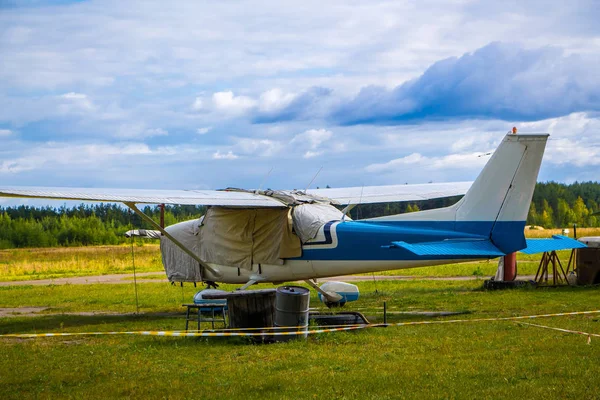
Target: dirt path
[
  {"x": 128, "y": 278},
  {"x": 86, "y": 280}
]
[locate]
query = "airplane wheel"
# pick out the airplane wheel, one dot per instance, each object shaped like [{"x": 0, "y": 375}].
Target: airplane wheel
[{"x": 335, "y": 304}]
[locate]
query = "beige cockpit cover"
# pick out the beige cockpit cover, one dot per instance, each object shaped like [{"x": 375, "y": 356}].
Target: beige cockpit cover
[{"x": 242, "y": 237}]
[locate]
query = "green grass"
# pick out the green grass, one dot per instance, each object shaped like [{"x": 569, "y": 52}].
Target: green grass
[
  {"x": 47, "y": 263},
  {"x": 469, "y": 360}
]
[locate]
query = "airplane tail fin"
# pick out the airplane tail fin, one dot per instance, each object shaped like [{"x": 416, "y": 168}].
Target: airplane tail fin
[
  {"x": 502, "y": 192},
  {"x": 497, "y": 203}
]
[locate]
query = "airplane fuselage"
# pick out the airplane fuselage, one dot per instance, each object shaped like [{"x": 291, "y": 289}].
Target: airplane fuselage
[{"x": 352, "y": 247}]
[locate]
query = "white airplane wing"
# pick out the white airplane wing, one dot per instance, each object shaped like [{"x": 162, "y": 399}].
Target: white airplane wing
[
  {"x": 391, "y": 193},
  {"x": 146, "y": 196},
  {"x": 234, "y": 198}
]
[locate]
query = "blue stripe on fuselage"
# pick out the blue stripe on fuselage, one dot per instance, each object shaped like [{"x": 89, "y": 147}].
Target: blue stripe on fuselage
[{"x": 358, "y": 240}]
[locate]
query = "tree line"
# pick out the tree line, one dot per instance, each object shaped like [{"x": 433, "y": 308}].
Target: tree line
[
  {"x": 83, "y": 225},
  {"x": 554, "y": 205}
]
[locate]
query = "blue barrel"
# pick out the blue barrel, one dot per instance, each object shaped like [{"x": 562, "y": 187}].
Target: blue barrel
[{"x": 291, "y": 309}]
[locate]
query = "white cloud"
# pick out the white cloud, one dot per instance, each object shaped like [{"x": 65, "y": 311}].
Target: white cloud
[
  {"x": 74, "y": 100},
  {"x": 203, "y": 131},
  {"x": 74, "y": 155},
  {"x": 225, "y": 156},
  {"x": 198, "y": 104},
  {"x": 473, "y": 140},
  {"x": 74, "y": 96},
  {"x": 16, "y": 166},
  {"x": 313, "y": 138},
  {"x": 311, "y": 154},
  {"x": 416, "y": 160},
  {"x": 259, "y": 147},
  {"x": 155, "y": 132},
  {"x": 577, "y": 152},
  {"x": 274, "y": 99},
  {"x": 5, "y": 132},
  {"x": 228, "y": 102}
]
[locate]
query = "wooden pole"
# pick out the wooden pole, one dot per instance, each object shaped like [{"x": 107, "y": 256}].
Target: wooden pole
[{"x": 162, "y": 216}]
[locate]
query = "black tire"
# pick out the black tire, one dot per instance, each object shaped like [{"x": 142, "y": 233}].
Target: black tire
[{"x": 330, "y": 304}]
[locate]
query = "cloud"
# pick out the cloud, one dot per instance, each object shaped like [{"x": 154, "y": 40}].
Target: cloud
[
  {"x": 203, "y": 131},
  {"x": 287, "y": 107},
  {"x": 74, "y": 102},
  {"x": 311, "y": 154},
  {"x": 259, "y": 147},
  {"x": 155, "y": 132},
  {"x": 40, "y": 157},
  {"x": 499, "y": 81},
  {"x": 224, "y": 156},
  {"x": 274, "y": 99},
  {"x": 307, "y": 144},
  {"x": 228, "y": 102},
  {"x": 574, "y": 152},
  {"x": 417, "y": 160},
  {"x": 198, "y": 104},
  {"x": 5, "y": 132},
  {"x": 313, "y": 138}
]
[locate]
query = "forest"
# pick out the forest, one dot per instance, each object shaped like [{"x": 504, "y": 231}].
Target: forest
[
  {"x": 84, "y": 225},
  {"x": 554, "y": 205}
]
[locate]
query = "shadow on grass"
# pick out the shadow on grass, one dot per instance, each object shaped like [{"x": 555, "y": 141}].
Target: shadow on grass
[{"x": 55, "y": 323}]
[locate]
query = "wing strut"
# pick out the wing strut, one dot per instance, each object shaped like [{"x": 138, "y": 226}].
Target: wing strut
[
  {"x": 162, "y": 230},
  {"x": 330, "y": 296}
]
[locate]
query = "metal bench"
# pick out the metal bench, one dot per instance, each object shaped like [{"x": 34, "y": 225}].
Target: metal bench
[{"x": 216, "y": 310}]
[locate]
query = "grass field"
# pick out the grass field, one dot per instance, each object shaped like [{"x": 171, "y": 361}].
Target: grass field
[
  {"x": 45, "y": 263},
  {"x": 463, "y": 360}
]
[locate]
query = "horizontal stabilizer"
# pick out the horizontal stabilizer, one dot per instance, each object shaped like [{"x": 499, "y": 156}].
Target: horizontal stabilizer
[
  {"x": 467, "y": 247},
  {"x": 557, "y": 242}
]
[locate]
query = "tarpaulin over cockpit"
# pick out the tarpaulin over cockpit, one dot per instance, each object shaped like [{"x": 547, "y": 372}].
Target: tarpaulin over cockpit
[{"x": 242, "y": 237}]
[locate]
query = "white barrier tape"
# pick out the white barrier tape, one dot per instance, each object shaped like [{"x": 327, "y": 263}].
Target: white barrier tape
[
  {"x": 289, "y": 333},
  {"x": 451, "y": 321},
  {"x": 185, "y": 333},
  {"x": 266, "y": 328},
  {"x": 589, "y": 335}
]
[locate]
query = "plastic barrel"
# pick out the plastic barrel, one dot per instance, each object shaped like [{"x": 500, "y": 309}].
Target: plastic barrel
[{"x": 291, "y": 309}]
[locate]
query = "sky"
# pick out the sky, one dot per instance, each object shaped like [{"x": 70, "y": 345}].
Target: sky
[{"x": 207, "y": 95}]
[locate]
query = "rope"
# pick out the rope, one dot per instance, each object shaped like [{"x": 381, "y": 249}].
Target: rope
[{"x": 137, "y": 306}]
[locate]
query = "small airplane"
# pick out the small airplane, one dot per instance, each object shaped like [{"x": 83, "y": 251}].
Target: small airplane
[{"x": 256, "y": 236}]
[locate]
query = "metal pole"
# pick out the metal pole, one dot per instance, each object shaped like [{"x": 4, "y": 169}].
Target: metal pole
[
  {"x": 385, "y": 313},
  {"x": 510, "y": 267}
]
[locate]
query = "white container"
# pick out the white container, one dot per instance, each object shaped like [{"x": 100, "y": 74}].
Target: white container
[{"x": 348, "y": 291}]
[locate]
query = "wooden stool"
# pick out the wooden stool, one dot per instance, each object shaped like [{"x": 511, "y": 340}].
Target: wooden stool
[{"x": 217, "y": 314}]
